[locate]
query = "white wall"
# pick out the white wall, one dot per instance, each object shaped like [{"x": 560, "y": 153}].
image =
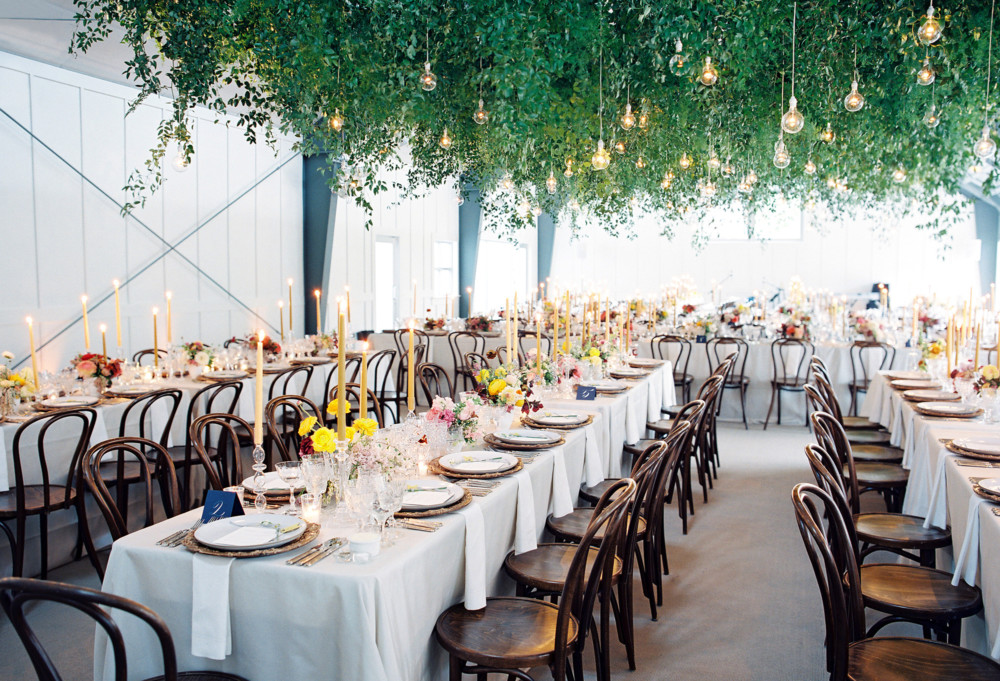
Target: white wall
[
  {"x": 61, "y": 238},
  {"x": 840, "y": 256}
]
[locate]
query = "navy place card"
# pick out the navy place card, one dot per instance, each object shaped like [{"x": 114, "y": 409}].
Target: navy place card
[
  {"x": 219, "y": 504},
  {"x": 586, "y": 392}
]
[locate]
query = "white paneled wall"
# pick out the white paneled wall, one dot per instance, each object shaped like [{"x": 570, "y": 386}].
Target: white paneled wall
[
  {"x": 60, "y": 237},
  {"x": 841, "y": 256}
]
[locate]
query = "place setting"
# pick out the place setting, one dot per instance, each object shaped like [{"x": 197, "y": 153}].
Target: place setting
[
  {"x": 980, "y": 448},
  {"x": 549, "y": 419},
  {"x": 481, "y": 465},
  {"x": 218, "y": 375},
  {"x": 523, "y": 440},
  {"x": 930, "y": 395},
  {"x": 954, "y": 410}
]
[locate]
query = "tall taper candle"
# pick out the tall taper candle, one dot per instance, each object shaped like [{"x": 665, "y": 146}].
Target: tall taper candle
[
  {"x": 555, "y": 329},
  {"x": 513, "y": 331},
  {"x": 363, "y": 408},
  {"x": 281, "y": 319},
  {"x": 104, "y": 340},
  {"x": 290, "y": 327},
  {"x": 118, "y": 316},
  {"x": 34, "y": 357},
  {"x": 319, "y": 320},
  {"x": 409, "y": 374},
  {"x": 506, "y": 325},
  {"x": 86, "y": 324},
  {"x": 258, "y": 402},
  {"x": 156, "y": 342},
  {"x": 468, "y": 289},
  {"x": 347, "y": 291},
  {"x": 538, "y": 343},
  {"x": 170, "y": 318},
  {"x": 341, "y": 371},
  {"x": 949, "y": 342},
  {"x": 975, "y": 361}
]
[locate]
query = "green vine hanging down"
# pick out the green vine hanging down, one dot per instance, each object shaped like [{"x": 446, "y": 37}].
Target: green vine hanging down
[{"x": 346, "y": 78}]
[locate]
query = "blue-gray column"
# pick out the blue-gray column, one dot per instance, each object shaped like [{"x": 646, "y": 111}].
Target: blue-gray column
[
  {"x": 987, "y": 223},
  {"x": 546, "y": 245},
  {"x": 469, "y": 214},
  {"x": 319, "y": 213}
]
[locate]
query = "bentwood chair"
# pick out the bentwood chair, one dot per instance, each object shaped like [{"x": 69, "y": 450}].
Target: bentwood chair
[
  {"x": 282, "y": 416},
  {"x": 353, "y": 406},
  {"x": 379, "y": 373},
  {"x": 790, "y": 371},
  {"x": 216, "y": 439},
  {"x": 677, "y": 349},
  {"x": 145, "y": 357},
  {"x": 851, "y": 653},
  {"x": 39, "y": 491},
  {"x": 352, "y": 370},
  {"x": 526, "y": 341},
  {"x": 719, "y": 349},
  {"x": 867, "y": 358},
  {"x": 462, "y": 343},
  {"x": 286, "y": 382},
  {"x": 20, "y": 596},
  {"x": 504, "y": 360},
  {"x": 822, "y": 400},
  {"x": 850, "y": 423},
  {"x": 474, "y": 362},
  {"x": 419, "y": 353},
  {"x": 434, "y": 380},
  {"x": 512, "y": 634}
]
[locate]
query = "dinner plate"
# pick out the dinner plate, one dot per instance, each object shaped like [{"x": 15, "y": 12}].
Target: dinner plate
[
  {"x": 69, "y": 402},
  {"x": 311, "y": 360},
  {"x": 911, "y": 384},
  {"x": 556, "y": 418},
  {"x": 604, "y": 384},
  {"x": 424, "y": 495},
  {"x": 224, "y": 375},
  {"x": 931, "y": 396},
  {"x": 478, "y": 462},
  {"x": 947, "y": 408},
  {"x": 273, "y": 484},
  {"x": 641, "y": 362},
  {"x": 907, "y": 375},
  {"x": 628, "y": 372},
  {"x": 526, "y": 437},
  {"x": 991, "y": 485},
  {"x": 135, "y": 389},
  {"x": 251, "y": 532},
  {"x": 990, "y": 446}
]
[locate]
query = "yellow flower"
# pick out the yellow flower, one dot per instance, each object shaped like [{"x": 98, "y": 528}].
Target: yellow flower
[
  {"x": 306, "y": 425},
  {"x": 500, "y": 372},
  {"x": 484, "y": 375},
  {"x": 991, "y": 372},
  {"x": 519, "y": 403},
  {"x": 324, "y": 440},
  {"x": 331, "y": 408},
  {"x": 496, "y": 385},
  {"x": 594, "y": 352},
  {"x": 366, "y": 426},
  {"x": 349, "y": 434}
]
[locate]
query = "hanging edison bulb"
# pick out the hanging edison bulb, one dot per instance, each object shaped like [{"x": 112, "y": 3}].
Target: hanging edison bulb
[
  {"x": 709, "y": 75},
  {"x": 536, "y": 210},
  {"x": 507, "y": 183},
  {"x": 854, "y": 100},
  {"x": 781, "y": 199},
  {"x": 727, "y": 168},
  {"x": 930, "y": 30},
  {"x": 828, "y": 135},
  {"x": 459, "y": 199},
  {"x": 601, "y": 158},
  {"x": 810, "y": 167},
  {"x": 550, "y": 183},
  {"x": 685, "y": 161},
  {"x": 643, "y": 120},
  {"x": 793, "y": 120},
  {"x": 336, "y": 121},
  {"x": 678, "y": 63},
  {"x": 752, "y": 177},
  {"x": 569, "y": 168},
  {"x": 899, "y": 174},
  {"x": 633, "y": 203},
  {"x": 180, "y": 162},
  {"x": 628, "y": 118},
  {"x": 668, "y": 179},
  {"x": 745, "y": 186},
  {"x": 713, "y": 162},
  {"x": 620, "y": 146},
  {"x": 841, "y": 186},
  {"x": 708, "y": 189},
  {"x": 481, "y": 116},
  {"x": 524, "y": 207},
  {"x": 354, "y": 185},
  {"x": 985, "y": 147},
  {"x": 831, "y": 182},
  {"x": 932, "y": 118},
  {"x": 640, "y": 163},
  {"x": 428, "y": 81},
  {"x": 781, "y": 156},
  {"x": 926, "y": 74},
  {"x": 445, "y": 142},
  {"x": 810, "y": 204},
  {"x": 574, "y": 205}
]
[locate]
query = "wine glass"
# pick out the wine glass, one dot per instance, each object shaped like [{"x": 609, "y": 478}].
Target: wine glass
[
  {"x": 314, "y": 472},
  {"x": 391, "y": 499},
  {"x": 290, "y": 472}
]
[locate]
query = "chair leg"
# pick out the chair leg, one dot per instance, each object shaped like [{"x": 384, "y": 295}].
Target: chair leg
[
  {"x": 743, "y": 405},
  {"x": 779, "y": 406},
  {"x": 774, "y": 391},
  {"x": 454, "y": 668},
  {"x": 854, "y": 400},
  {"x": 83, "y": 529},
  {"x": 43, "y": 538}
]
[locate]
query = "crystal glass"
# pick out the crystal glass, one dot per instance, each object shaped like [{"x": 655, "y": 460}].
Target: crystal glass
[
  {"x": 314, "y": 472},
  {"x": 291, "y": 473},
  {"x": 259, "y": 501},
  {"x": 390, "y": 500}
]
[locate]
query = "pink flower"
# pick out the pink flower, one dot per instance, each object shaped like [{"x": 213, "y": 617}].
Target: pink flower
[{"x": 86, "y": 369}]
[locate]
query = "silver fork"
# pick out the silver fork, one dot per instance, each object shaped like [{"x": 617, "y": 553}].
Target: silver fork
[
  {"x": 334, "y": 546},
  {"x": 177, "y": 537},
  {"x": 309, "y": 553}
]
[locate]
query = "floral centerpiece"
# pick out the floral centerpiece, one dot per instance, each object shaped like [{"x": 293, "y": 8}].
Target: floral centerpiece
[
  {"x": 506, "y": 388},
  {"x": 434, "y": 324},
  {"x": 989, "y": 379},
  {"x": 101, "y": 368},
  {"x": 733, "y": 315},
  {"x": 271, "y": 348},
  {"x": 869, "y": 329},
  {"x": 596, "y": 353},
  {"x": 197, "y": 353},
  {"x": 461, "y": 418},
  {"x": 687, "y": 309},
  {"x": 795, "y": 323},
  {"x": 930, "y": 351},
  {"x": 479, "y": 323},
  {"x": 541, "y": 373},
  {"x": 13, "y": 386},
  {"x": 322, "y": 343}
]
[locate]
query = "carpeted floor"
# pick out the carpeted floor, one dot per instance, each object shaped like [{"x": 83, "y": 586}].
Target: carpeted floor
[{"x": 740, "y": 602}]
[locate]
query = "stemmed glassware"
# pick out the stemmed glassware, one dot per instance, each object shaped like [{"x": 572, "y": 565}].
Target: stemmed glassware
[
  {"x": 259, "y": 501},
  {"x": 389, "y": 501},
  {"x": 290, "y": 472}
]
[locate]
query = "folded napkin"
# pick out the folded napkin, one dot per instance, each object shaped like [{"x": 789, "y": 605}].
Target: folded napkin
[
  {"x": 478, "y": 466},
  {"x": 592, "y": 467},
  {"x": 937, "y": 507},
  {"x": 425, "y": 498},
  {"x": 247, "y": 536},
  {"x": 562, "y": 498},
  {"x": 211, "y": 628},
  {"x": 967, "y": 564},
  {"x": 475, "y": 557},
  {"x": 4, "y": 481},
  {"x": 525, "y": 538}
]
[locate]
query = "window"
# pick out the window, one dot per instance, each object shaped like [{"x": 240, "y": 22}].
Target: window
[
  {"x": 783, "y": 224},
  {"x": 445, "y": 273},
  {"x": 501, "y": 270},
  {"x": 386, "y": 283}
]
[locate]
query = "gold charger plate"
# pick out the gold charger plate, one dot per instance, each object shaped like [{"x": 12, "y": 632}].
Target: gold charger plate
[
  {"x": 968, "y": 453},
  {"x": 530, "y": 423},
  {"x": 629, "y": 377},
  {"x": 194, "y": 546},
  {"x": 936, "y": 414},
  {"x": 984, "y": 493},
  {"x": 310, "y": 361},
  {"x": 497, "y": 443},
  {"x": 434, "y": 467},
  {"x": 461, "y": 503}
]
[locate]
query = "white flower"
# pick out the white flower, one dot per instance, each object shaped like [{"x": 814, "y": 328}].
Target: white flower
[
  {"x": 8, "y": 355},
  {"x": 201, "y": 358}
]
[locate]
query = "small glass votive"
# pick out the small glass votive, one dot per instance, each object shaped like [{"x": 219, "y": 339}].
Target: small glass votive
[
  {"x": 237, "y": 490},
  {"x": 364, "y": 546},
  {"x": 312, "y": 506}
]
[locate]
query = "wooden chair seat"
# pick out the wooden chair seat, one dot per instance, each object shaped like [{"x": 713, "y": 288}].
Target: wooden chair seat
[
  {"x": 868, "y": 437},
  {"x": 673, "y": 410},
  {"x": 202, "y": 676},
  {"x": 573, "y": 525},
  {"x": 791, "y": 383},
  {"x": 899, "y": 531},
  {"x": 917, "y": 592},
  {"x": 891, "y": 658},
  {"x": 508, "y": 633},
  {"x": 637, "y": 449},
  {"x": 736, "y": 381},
  {"x": 661, "y": 427},
  {"x": 682, "y": 380},
  {"x": 880, "y": 475},
  {"x": 860, "y": 423},
  {"x": 34, "y": 500},
  {"x": 877, "y": 453},
  {"x": 547, "y": 567},
  {"x": 593, "y": 494}
]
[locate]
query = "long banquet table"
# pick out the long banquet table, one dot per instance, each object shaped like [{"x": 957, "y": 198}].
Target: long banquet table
[
  {"x": 940, "y": 490},
  {"x": 373, "y": 621}
]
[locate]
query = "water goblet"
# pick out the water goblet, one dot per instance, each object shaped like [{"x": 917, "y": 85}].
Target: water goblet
[
  {"x": 259, "y": 501},
  {"x": 291, "y": 473}
]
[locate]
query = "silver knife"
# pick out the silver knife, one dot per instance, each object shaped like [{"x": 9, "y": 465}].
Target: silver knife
[{"x": 325, "y": 553}]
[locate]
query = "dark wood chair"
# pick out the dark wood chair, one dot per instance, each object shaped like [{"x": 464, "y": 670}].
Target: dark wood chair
[
  {"x": 20, "y": 596},
  {"x": 461, "y": 343},
  {"x": 790, "y": 371},
  {"x": 145, "y": 357},
  {"x": 283, "y": 382},
  {"x": 850, "y": 423},
  {"x": 511, "y": 634},
  {"x": 893, "y": 532},
  {"x": 526, "y": 341},
  {"x": 380, "y": 371},
  {"x": 353, "y": 407},
  {"x": 352, "y": 369},
  {"x": 138, "y": 418},
  {"x": 851, "y": 654},
  {"x": 677, "y": 349},
  {"x": 868, "y": 445},
  {"x": 434, "y": 380},
  {"x": 217, "y": 398},
  {"x": 41, "y": 497},
  {"x": 216, "y": 439},
  {"x": 420, "y": 351},
  {"x": 282, "y": 416},
  {"x": 719, "y": 349},
  {"x": 474, "y": 362},
  {"x": 504, "y": 360},
  {"x": 867, "y": 358}
]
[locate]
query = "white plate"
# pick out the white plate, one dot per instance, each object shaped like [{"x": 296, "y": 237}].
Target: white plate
[
  {"x": 424, "y": 495},
  {"x": 979, "y": 445},
  {"x": 604, "y": 384},
  {"x": 311, "y": 360},
  {"x": 69, "y": 401},
  {"x": 907, "y": 375},
  {"x": 641, "y": 362},
  {"x": 628, "y": 371},
  {"x": 990, "y": 485},
  {"x": 478, "y": 462},
  {"x": 950, "y": 408},
  {"x": 931, "y": 395},
  {"x": 526, "y": 437},
  {"x": 273, "y": 484},
  {"x": 909, "y": 384},
  {"x": 224, "y": 375},
  {"x": 137, "y": 389},
  {"x": 251, "y": 532},
  {"x": 557, "y": 418}
]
